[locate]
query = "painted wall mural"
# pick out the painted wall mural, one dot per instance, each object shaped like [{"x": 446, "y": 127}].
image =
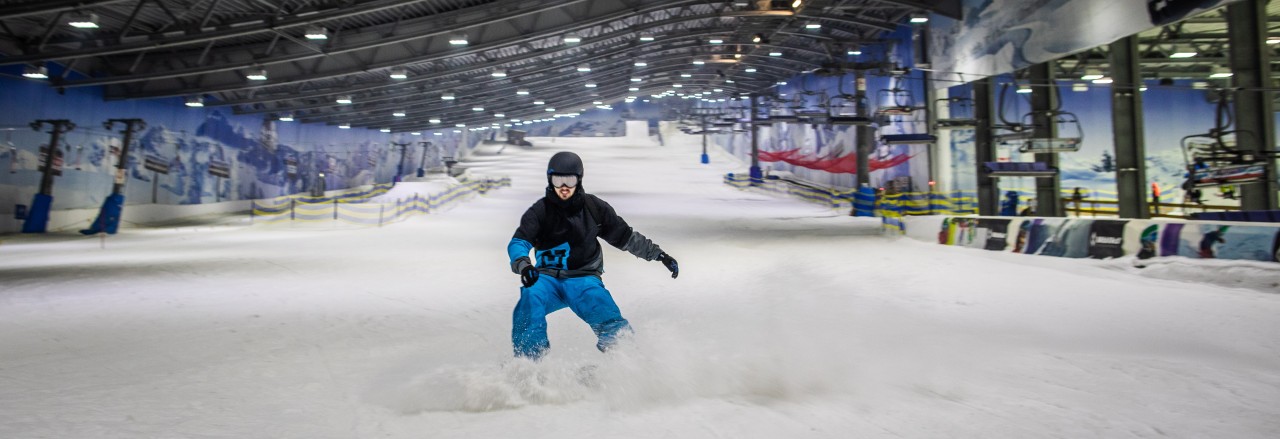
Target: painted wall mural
[
  {"x": 259, "y": 157},
  {"x": 1001, "y": 36}
]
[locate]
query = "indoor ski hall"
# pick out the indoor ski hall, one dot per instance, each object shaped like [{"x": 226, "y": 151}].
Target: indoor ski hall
[{"x": 561, "y": 219}]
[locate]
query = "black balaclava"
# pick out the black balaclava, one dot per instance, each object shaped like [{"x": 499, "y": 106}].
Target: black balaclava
[{"x": 565, "y": 163}]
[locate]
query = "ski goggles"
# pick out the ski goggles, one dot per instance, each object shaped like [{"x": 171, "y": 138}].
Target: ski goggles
[{"x": 558, "y": 180}]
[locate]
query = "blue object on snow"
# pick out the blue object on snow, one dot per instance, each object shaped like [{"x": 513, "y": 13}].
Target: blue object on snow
[
  {"x": 109, "y": 217},
  {"x": 38, "y": 216}
]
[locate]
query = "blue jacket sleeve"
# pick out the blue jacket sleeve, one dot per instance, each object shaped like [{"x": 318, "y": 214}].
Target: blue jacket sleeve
[{"x": 520, "y": 246}]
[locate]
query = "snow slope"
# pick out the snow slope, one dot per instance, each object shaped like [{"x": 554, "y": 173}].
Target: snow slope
[{"x": 788, "y": 320}]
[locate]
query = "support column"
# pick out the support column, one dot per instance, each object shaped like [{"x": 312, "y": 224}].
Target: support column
[
  {"x": 1255, "y": 113},
  {"x": 1044, "y": 98},
  {"x": 863, "y": 134},
  {"x": 1126, "y": 124},
  {"x": 984, "y": 146},
  {"x": 757, "y": 176}
]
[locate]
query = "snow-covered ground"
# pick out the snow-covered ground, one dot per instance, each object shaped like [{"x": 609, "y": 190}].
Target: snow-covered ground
[{"x": 788, "y": 320}]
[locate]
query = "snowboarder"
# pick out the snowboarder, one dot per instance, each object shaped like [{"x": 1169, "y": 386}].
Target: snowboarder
[{"x": 562, "y": 229}]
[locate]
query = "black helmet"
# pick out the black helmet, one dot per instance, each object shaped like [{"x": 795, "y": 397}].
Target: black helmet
[{"x": 565, "y": 163}]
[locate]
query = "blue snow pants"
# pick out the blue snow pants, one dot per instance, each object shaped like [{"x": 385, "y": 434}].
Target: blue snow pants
[{"x": 586, "y": 296}]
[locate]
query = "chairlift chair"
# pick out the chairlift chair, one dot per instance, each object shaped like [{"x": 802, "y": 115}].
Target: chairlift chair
[
  {"x": 1071, "y": 142},
  {"x": 843, "y": 109},
  {"x": 1018, "y": 169},
  {"x": 957, "y": 105},
  {"x": 1214, "y": 160}
]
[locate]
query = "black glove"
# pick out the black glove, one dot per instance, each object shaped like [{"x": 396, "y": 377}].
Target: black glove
[
  {"x": 670, "y": 263},
  {"x": 528, "y": 276}
]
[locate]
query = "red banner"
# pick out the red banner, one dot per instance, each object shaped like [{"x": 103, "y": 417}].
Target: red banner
[{"x": 847, "y": 164}]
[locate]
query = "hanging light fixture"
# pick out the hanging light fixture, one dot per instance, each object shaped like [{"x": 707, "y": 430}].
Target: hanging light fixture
[
  {"x": 499, "y": 73},
  {"x": 399, "y": 113},
  {"x": 584, "y": 68},
  {"x": 522, "y": 91},
  {"x": 572, "y": 38},
  {"x": 35, "y": 72},
  {"x": 447, "y": 97},
  {"x": 195, "y": 101},
  {"x": 343, "y": 99},
  {"x": 433, "y": 120},
  {"x": 286, "y": 117},
  {"x": 344, "y": 126},
  {"x": 919, "y": 18},
  {"x": 316, "y": 33},
  {"x": 399, "y": 73},
  {"x": 458, "y": 40},
  {"x": 83, "y": 21},
  {"x": 257, "y": 75}
]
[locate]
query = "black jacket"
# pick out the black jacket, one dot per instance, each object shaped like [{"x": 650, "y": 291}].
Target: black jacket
[{"x": 564, "y": 235}]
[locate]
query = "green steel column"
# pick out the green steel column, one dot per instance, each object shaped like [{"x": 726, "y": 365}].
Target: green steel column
[
  {"x": 864, "y": 136},
  {"x": 1044, "y": 98},
  {"x": 1255, "y": 112},
  {"x": 984, "y": 146},
  {"x": 1126, "y": 122}
]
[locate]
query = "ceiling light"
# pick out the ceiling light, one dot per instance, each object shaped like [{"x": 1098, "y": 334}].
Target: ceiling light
[
  {"x": 572, "y": 38},
  {"x": 717, "y": 90},
  {"x": 1103, "y": 80},
  {"x": 782, "y": 82},
  {"x": 344, "y": 126},
  {"x": 636, "y": 79},
  {"x": 854, "y": 52},
  {"x": 195, "y": 101},
  {"x": 1079, "y": 86},
  {"x": 399, "y": 73},
  {"x": 460, "y": 125},
  {"x": 343, "y": 99},
  {"x": 698, "y": 62},
  {"x": 522, "y": 91},
  {"x": 640, "y": 64},
  {"x": 677, "y": 85},
  {"x": 1273, "y": 40},
  {"x": 1024, "y": 89},
  {"x": 416, "y": 133},
  {"x": 757, "y": 38},
  {"x": 35, "y": 72},
  {"x": 796, "y": 4},
  {"x": 437, "y": 133},
  {"x": 499, "y": 115},
  {"x": 457, "y": 131},
  {"x": 83, "y": 21},
  {"x": 918, "y": 17},
  {"x": 1183, "y": 53},
  {"x": 728, "y": 81},
  {"x": 458, "y": 40},
  {"x": 433, "y": 120},
  {"x": 584, "y": 68},
  {"x": 1221, "y": 72},
  {"x": 646, "y": 37},
  {"x": 447, "y": 97},
  {"x": 549, "y": 109},
  {"x": 257, "y": 75},
  {"x": 1091, "y": 74},
  {"x": 813, "y": 25},
  {"x": 499, "y": 74},
  {"x": 399, "y": 113},
  {"x": 1199, "y": 85},
  {"x": 316, "y": 33},
  {"x": 477, "y": 108},
  {"x": 686, "y": 75},
  {"x": 539, "y": 102},
  {"x": 775, "y": 53},
  {"x": 597, "y": 103},
  {"x": 590, "y": 85},
  {"x": 633, "y": 89},
  {"x": 286, "y": 117},
  {"x": 385, "y": 130},
  {"x": 716, "y": 41},
  {"x": 750, "y": 70}
]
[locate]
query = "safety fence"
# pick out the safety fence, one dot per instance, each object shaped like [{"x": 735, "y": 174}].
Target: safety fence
[
  {"x": 868, "y": 202},
  {"x": 361, "y": 208}
]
